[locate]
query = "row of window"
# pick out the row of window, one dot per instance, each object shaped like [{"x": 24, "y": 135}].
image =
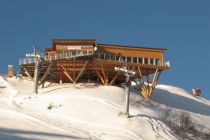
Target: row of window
[
  {"x": 141, "y": 60},
  {"x": 72, "y": 53}
]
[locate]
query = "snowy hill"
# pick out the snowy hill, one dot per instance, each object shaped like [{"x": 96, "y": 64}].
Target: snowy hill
[{"x": 91, "y": 111}]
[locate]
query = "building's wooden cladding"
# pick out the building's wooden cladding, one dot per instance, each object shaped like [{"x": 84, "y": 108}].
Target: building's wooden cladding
[
  {"x": 73, "y": 42},
  {"x": 130, "y": 51}
]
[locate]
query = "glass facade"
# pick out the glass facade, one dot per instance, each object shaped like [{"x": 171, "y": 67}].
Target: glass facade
[{"x": 140, "y": 60}]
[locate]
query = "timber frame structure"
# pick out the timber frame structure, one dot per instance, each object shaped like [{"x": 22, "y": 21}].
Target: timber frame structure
[{"x": 74, "y": 60}]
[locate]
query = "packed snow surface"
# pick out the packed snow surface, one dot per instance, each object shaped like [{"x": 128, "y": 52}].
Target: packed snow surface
[{"x": 92, "y": 111}]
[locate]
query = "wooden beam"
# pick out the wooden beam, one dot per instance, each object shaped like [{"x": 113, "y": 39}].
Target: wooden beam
[
  {"x": 115, "y": 77},
  {"x": 143, "y": 88},
  {"x": 155, "y": 76},
  {"x": 148, "y": 81},
  {"x": 81, "y": 72},
  {"x": 61, "y": 77},
  {"x": 45, "y": 74},
  {"x": 147, "y": 89},
  {"x": 139, "y": 70},
  {"x": 141, "y": 76},
  {"x": 105, "y": 78},
  {"x": 155, "y": 79},
  {"x": 28, "y": 74},
  {"x": 102, "y": 80},
  {"x": 155, "y": 83},
  {"x": 66, "y": 73}
]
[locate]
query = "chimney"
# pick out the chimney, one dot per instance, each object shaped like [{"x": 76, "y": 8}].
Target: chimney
[{"x": 10, "y": 72}]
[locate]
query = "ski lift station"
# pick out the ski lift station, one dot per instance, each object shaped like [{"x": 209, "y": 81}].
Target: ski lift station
[{"x": 82, "y": 60}]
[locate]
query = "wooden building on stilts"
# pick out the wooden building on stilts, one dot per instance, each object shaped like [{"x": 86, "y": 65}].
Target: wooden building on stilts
[{"x": 75, "y": 60}]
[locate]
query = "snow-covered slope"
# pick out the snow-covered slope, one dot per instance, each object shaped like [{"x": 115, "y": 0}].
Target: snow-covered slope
[{"x": 90, "y": 111}]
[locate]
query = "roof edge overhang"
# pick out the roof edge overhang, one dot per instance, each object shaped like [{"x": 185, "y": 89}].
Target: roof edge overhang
[
  {"x": 74, "y": 40},
  {"x": 93, "y": 41},
  {"x": 137, "y": 47}
]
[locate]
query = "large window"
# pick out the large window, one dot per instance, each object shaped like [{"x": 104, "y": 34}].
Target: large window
[
  {"x": 129, "y": 59},
  {"x": 146, "y": 61},
  {"x": 117, "y": 58},
  {"x": 101, "y": 56},
  {"x": 106, "y": 56},
  {"x": 59, "y": 54},
  {"x": 96, "y": 55},
  {"x": 84, "y": 52},
  {"x": 157, "y": 62},
  {"x": 90, "y": 52},
  {"x": 135, "y": 60},
  {"x": 140, "y": 60},
  {"x": 112, "y": 57},
  {"x": 73, "y": 53},
  {"x": 151, "y": 61},
  {"x": 123, "y": 58}
]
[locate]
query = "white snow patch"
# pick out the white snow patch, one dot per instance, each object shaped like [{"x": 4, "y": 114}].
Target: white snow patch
[{"x": 93, "y": 112}]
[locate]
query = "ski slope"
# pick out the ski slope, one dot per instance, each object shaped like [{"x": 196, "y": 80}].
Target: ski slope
[{"x": 91, "y": 111}]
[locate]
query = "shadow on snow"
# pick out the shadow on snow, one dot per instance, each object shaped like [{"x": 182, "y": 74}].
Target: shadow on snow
[
  {"x": 180, "y": 102},
  {"x": 14, "y": 134}
]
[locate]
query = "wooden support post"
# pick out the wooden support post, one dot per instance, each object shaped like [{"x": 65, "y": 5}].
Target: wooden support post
[
  {"x": 115, "y": 77},
  {"x": 153, "y": 82},
  {"x": 142, "y": 86},
  {"x": 141, "y": 76},
  {"x": 61, "y": 78},
  {"x": 43, "y": 84},
  {"x": 146, "y": 90},
  {"x": 155, "y": 76},
  {"x": 66, "y": 73},
  {"x": 102, "y": 80},
  {"x": 105, "y": 78},
  {"x": 81, "y": 72},
  {"x": 28, "y": 74},
  {"x": 148, "y": 81},
  {"x": 45, "y": 75}
]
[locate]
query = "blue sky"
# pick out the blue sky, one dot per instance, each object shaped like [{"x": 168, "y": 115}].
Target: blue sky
[{"x": 181, "y": 26}]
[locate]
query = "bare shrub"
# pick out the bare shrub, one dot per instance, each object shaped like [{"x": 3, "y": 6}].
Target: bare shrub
[
  {"x": 181, "y": 122},
  {"x": 50, "y": 106}
]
